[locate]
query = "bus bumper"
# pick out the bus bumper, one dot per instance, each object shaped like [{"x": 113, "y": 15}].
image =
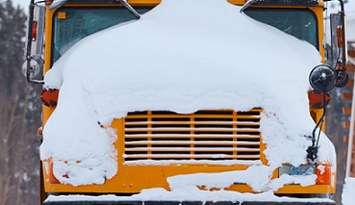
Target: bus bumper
[{"x": 183, "y": 203}]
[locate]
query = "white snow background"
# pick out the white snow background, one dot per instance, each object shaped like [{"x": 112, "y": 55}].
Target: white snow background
[
  {"x": 350, "y": 15},
  {"x": 349, "y": 191}
]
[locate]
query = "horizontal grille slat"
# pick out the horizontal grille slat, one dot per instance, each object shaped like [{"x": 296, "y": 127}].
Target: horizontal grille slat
[
  {"x": 204, "y": 135},
  {"x": 192, "y": 142},
  {"x": 161, "y": 129},
  {"x": 175, "y": 156},
  {"x": 196, "y": 116},
  {"x": 194, "y": 149},
  {"x": 212, "y": 136},
  {"x": 188, "y": 123}
]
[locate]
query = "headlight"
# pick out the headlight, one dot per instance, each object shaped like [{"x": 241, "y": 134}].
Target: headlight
[
  {"x": 322, "y": 171},
  {"x": 293, "y": 171}
]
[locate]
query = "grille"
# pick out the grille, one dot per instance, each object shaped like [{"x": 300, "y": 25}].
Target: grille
[{"x": 204, "y": 135}]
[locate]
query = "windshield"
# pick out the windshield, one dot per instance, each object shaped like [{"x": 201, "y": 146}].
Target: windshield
[
  {"x": 301, "y": 23},
  {"x": 74, "y": 24}
]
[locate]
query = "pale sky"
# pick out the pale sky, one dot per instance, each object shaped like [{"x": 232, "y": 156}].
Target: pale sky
[
  {"x": 351, "y": 8},
  {"x": 23, "y": 3}
]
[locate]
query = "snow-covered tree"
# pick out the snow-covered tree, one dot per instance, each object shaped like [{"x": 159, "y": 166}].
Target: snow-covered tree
[{"x": 19, "y": 114}]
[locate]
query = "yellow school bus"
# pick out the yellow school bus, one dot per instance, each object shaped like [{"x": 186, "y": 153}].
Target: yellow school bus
[{"x": 55, "y": 27}]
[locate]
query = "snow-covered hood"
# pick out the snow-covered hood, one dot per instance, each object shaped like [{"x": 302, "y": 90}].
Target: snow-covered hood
[{"x": 182, "y": 56}]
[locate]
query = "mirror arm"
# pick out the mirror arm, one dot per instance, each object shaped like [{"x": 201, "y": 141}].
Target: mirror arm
[
  {"x": 29, "y": 40},
  {"x": 29, "y": 46},
  {"x": 247, "y": 5},
  {"x": 342, "y": 66}
]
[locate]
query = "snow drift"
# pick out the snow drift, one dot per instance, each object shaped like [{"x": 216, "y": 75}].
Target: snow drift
[
  {"x": 182, "y": 56},
  {"x": 348, "y": 196},
  {"x": 187, "y": 195}
]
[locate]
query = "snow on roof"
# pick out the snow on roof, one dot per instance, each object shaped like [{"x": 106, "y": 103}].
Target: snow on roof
[{"x": 182, "y": 56}]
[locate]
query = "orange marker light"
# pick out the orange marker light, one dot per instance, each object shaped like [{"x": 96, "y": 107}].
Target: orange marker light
[
  {"x": 48, "y": 2},
  {"x": 316, "y": 99},
  {"x": 34, "y": 30},
  {"x": 50, "y": 97},
  {"x": 324, "y": 174}
]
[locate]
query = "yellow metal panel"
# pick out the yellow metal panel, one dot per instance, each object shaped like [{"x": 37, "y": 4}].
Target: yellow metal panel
[
  {"x": 132, "y": 179},
  {"x": 315, "y": 189}
]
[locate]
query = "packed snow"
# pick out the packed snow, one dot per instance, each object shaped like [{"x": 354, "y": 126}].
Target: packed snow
[
  {"x": 182, "y": 56},
  {"x": 258, "y": 177},
  {"x": 188, "y": 195},
  {"x": 183, "y": 188},
  {"x": 349, "y": 191}
]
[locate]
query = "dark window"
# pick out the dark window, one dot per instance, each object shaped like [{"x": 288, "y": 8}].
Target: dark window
[
  {"x": 73, "y": 24},
  {"x": 301, "y": 23}
]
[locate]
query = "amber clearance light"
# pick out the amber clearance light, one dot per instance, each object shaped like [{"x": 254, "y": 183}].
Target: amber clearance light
[
  {"x": 49, "y": 97},
  {"x": 48, "y": 2},
  {"x": 324, "y": 174},
  {"x": 316, "y": 99}
]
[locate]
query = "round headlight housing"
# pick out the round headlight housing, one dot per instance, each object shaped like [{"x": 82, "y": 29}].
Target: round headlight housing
[{"x": 323, "y": 78}]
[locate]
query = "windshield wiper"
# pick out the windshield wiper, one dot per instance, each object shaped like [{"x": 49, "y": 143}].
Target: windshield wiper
[
  {"x": 247, "y": 5},
  {"x": 59, "y": 3},
  {"x": 130, "y": 8}
]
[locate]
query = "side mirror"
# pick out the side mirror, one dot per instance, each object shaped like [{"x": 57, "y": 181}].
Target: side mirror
[
  {"x": 323, "y": 78},
  {"x": 34, "y": 48}
]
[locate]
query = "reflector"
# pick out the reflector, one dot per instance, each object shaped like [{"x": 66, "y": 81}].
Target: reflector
[
  {"x": 323, "y": 173},
  {"x": 316, "y": 99},
  {"x": 48, "y": 2},
  {"x": 34, "y": 30},
  {"x": 49, "y": 97}
]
